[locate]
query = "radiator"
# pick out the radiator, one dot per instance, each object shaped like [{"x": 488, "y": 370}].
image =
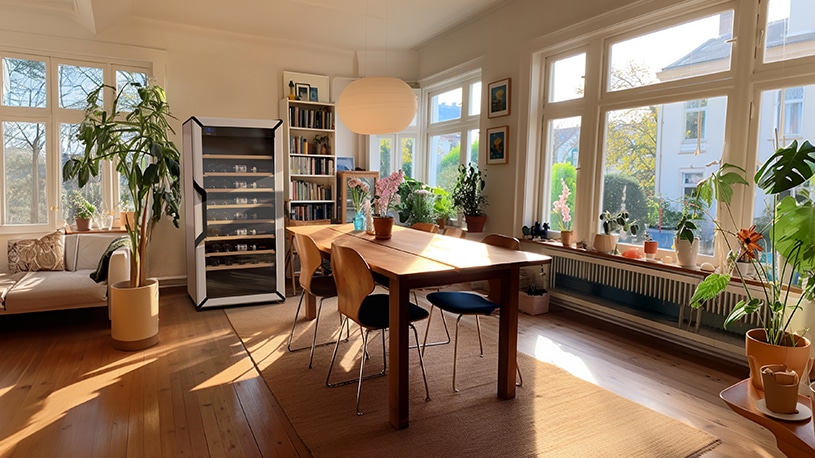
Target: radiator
[{"x": 649, "y": 286}]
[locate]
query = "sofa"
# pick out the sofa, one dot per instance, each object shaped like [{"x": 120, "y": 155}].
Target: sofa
[{"x": 53, "y": 272}]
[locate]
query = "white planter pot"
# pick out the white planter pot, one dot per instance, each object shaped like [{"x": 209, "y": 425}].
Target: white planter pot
[
  {"x": 686, "y": 252},
  {"x": 134, "y": 315},
  {"x": 605, "y": 243}
]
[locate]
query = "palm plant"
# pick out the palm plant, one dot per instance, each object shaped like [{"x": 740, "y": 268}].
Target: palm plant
[{"x": 138, "y": 143}]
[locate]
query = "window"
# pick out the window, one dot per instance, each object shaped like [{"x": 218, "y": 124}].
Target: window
[
  {"x": 789, "y": 30},
  {"x": 37, "y": 132},
  {"x": 695, "y": 114},
  {"x": 568, "y": 78},
  {"x": 563, "y": 143},
  {"x": 452, "y": 130}
]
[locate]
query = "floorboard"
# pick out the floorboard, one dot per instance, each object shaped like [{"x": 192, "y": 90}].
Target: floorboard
[{"x": 197, "y": 393}]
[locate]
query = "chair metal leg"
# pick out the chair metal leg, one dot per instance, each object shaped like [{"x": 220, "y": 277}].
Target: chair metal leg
[
  {"x": 480, "y": 343},
  {"x": 328, "y": 382},
  {"x": 455, "y": 353},
  {"x": 421, "y": 362},
  {"x": 362, "y": 367},
  {"x": 520, "y": 381},
  {"x": 427, "y": 330},
  {"x": 314, "y": 343}
]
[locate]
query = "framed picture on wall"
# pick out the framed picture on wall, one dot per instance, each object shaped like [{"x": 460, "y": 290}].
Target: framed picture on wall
[
  {"x": 313, "y": 94},
  {"x": 498, "y": 93},
  {"x": 498, "y": 141},
  {"x": 345, "y": 164}
]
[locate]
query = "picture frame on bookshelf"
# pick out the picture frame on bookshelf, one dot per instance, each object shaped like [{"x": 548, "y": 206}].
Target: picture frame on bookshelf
[
  {"x": 303, "y": 91},
  {"x": 313, "y": 94},
  {"x": 346, "y": 205},
  {"x": 345, "y": 164}
]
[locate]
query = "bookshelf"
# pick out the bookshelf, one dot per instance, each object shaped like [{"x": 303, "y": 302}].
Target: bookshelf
[{"x": 309, "y": 141}]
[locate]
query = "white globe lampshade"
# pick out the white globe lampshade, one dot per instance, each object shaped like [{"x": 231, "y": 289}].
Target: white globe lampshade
[{"x": 377, "y": 105}]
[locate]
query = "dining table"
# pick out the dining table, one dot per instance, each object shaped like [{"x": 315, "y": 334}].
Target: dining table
[{"x": 416, "y": 259}]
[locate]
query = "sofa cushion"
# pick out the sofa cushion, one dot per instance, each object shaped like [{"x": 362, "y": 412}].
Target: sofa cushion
[
  {"x": 30, "y": 255},
  {"x": 7, "y": 280},
  {"x": 37, "y": 291}
]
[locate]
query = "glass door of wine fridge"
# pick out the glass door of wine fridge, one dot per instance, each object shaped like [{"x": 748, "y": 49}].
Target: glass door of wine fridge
[{"x": 233, "y": 183}]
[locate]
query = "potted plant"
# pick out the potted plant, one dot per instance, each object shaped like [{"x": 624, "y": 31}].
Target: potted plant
[
  {"x": 562, "y": 215},
  {"x": 791, "y": 243},
  {"x": 386, "y": 199},
  {"x": 613, "y": 224},
  {"x": 469, "y": 198},
  {"x": 650, "y": 246},
  {"x": 686, "y": 241},
  {"x": 138, "y": 143},
  {"x": 83, "y": 211},
  {"x": 443, "y": 207}
]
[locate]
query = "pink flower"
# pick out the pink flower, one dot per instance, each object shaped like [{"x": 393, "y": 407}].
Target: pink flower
[
  {"x": 561, "y": 206},
  {"x": 359, "y": 190},
  {"x": 387, "y": 197}
]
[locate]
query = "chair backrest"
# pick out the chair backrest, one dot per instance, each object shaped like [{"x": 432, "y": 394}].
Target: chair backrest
[
  {"x": 310, "y": 259},
  {"x": 353, "y": 278},
  {"x": 427, "y": 227},
  {"x": 454, "y": 232},
  {"x": 503, "y": 241}
]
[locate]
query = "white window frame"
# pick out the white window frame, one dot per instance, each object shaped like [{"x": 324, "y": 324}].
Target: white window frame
[{"x": 55, "y": 52}]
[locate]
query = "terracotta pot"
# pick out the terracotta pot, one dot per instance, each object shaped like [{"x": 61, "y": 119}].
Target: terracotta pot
[
  {"x": 383, "y": 227},
  {"x": 605, "y": 243},
  {"x": 475, "y": 223},
  {"x": 567, "y": 238},
  {"x": 760, "y": 353},
  {"x": 83, "y": 224},
  {"x": 780, "y": 388},
  {"x": 686, "y": 252},
  {"x": 650, "y": 247}
]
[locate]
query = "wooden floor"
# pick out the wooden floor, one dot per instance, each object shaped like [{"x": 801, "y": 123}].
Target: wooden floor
[{"x": 65, "y": 392}]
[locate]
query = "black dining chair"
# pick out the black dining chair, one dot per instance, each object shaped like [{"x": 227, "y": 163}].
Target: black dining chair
[
  {"x": 371, "y": 311},
  {"x": 464, "y": 303}
]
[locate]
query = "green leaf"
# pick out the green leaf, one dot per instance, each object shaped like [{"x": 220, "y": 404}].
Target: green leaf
[
  {"x": 707, "y": 289},
  {"x": 741, "y": 309},
  {"x": 787, "y": 168}
]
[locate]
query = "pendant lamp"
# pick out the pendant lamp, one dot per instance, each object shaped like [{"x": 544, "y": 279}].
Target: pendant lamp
[{"x": 377, "y": 105}]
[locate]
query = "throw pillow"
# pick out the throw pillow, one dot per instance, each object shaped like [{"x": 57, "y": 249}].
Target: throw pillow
[{"x": 30, "y": 255}]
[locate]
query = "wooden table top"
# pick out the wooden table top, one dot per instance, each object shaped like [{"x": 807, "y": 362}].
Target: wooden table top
[{"x": 795, "y": 438}]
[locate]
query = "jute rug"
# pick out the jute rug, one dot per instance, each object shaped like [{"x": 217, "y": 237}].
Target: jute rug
[{"x": 554, "y": 413}]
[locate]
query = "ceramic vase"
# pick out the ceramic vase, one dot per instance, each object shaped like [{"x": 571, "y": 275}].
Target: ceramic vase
[
  {"x": 650, "y": 247},
  {"x": 83, "y": 224},
  {"x": 780, "y": 388},
  {"x": 605, "y": 243},
  {"x": 686, "y": 252},
  {"x": 475, "y": 223},
  {"x": 383, "y": 227}
]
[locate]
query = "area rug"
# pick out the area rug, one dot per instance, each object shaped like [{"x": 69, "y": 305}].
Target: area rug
[{"x": 554, "y": 413}]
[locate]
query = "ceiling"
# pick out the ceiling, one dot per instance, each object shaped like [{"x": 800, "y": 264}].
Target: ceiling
[{"x": 344, "y": 24}]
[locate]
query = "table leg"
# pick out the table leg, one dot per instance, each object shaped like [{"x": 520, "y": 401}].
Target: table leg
[
  {"x": 508, "y": 333},
  {"x": 311, "y": 306},
  {"x": 398, "y": 377}
]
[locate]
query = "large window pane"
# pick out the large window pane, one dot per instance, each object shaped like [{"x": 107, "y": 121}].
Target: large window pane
[
  {"x": 650, "y": 173},
  {"x": 408, "y": 152},
  {"x": 129, "y": 96},
  {"x": 75, "y": 83},
  {"x": 23, "y": 83},
  {"x": 24, "y": 149},
  {"x": 783, "y": 114},
  {"x": 445, "y": 156},
  {"x": 562, "y": 146},
  {"x": 92, "y": 191},
  {"x": 789, "y": 30},
  {"x": 695, "y": 48},
  {"x": 568, "y": 78},
  {"x": 445, "y": 106},
  {"x": 385, "y": 162},
  {"x": 473, "y": 142},
  {"x": 475, "y": 99}
]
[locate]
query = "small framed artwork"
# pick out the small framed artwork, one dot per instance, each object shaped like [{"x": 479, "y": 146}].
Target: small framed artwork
[
  {"x": 345, "y": 164},
  {"x": 313, "y": 94},
  {"x": 498, "y": 140},
  {"x": 499, "y": 98},
  {"x": 303, "y": 91}
]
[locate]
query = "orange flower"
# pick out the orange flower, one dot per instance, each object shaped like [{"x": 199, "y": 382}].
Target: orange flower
[{"x": 749, "y": 241}]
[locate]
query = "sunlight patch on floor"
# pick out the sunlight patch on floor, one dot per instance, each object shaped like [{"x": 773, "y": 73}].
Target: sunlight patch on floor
[
  {"x": 58, "y": 403},
  {"x": 228, "y": 375},
  {"x": 549, "y": 351}
]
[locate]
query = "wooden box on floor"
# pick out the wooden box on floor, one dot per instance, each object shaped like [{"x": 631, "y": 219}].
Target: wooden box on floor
[{"x": 533, "y": 305}]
